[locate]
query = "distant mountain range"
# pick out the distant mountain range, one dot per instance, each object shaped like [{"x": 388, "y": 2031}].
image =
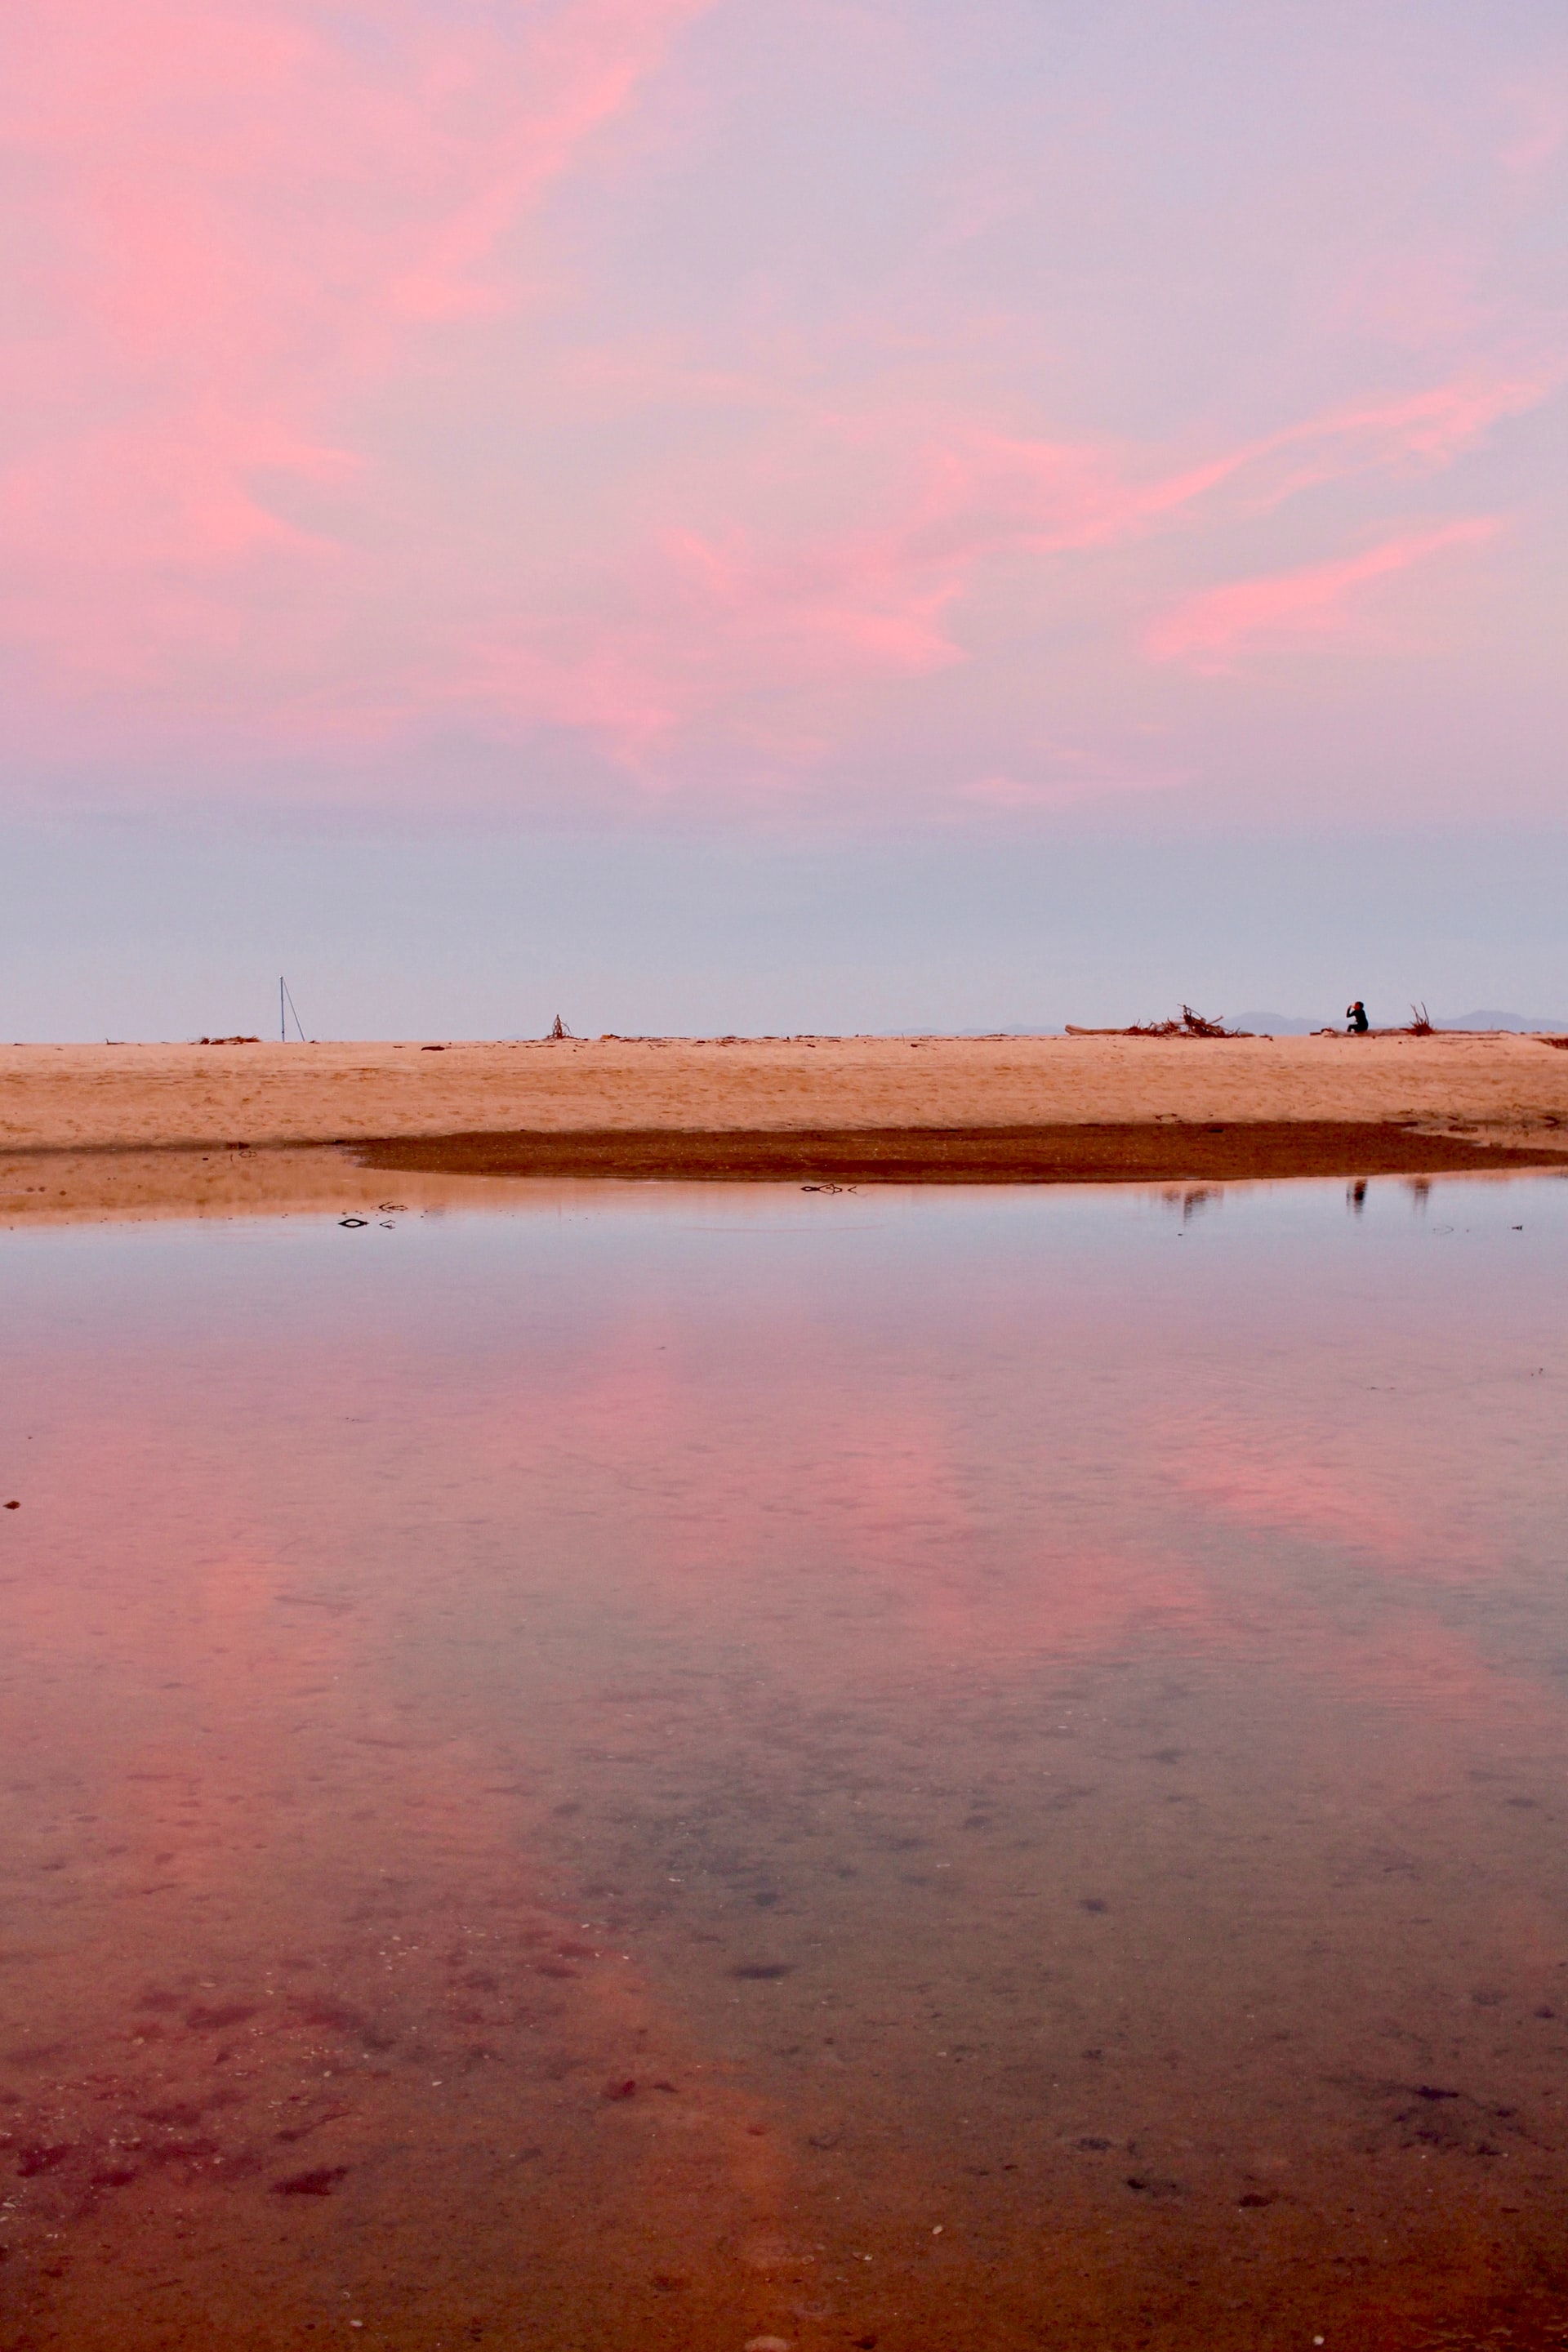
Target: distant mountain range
[{"x": 1285, "y": 1024}]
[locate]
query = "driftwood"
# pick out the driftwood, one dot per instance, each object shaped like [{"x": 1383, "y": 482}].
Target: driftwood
[{"x": 1191, "y": 1024}]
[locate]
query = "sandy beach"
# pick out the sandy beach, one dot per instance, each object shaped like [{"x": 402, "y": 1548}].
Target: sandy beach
[{"x": 150, "y": 1129}]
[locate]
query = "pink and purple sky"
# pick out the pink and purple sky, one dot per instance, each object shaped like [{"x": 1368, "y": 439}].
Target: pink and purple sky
[{"x": 838, "y": 431}]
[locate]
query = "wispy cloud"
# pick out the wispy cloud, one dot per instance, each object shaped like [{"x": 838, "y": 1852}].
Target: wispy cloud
[
  {"x": 698, "y": 632},
  {"x": 1281, "y": 611},
  {"x": 370, "y": 373},
  {"x": 246, "y": 215}
]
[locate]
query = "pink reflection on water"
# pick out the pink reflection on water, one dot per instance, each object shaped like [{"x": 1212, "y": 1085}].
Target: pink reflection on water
[{"x": 849, "y": 1694}]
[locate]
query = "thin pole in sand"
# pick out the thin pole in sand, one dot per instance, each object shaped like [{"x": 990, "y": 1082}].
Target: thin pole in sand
[
  {"x": 282, "y": 1024},
  {"x": 286, "y": 995}
]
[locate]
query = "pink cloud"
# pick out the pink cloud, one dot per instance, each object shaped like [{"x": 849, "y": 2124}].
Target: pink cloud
[
  {"x": 245, "y": 219},
  {"x": 1539, "y": 131},
  {"x": 1067, "y": 788},
  {"x": 695, "y": 631},
  {"x": 339, "y": 413},
  {"x": 1208, "y": 632}
]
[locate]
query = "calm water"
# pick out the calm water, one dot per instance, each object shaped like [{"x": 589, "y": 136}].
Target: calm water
[{"x": 943, "y": 1770}]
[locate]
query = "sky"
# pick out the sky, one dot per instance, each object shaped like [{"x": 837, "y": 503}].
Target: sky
[{"x": 775, "y": 513}]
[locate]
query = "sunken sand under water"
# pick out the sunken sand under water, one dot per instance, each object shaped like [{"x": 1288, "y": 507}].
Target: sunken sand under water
[
  {"x": 681, "y": 1766},
  {"x": 145, "y": 1129}
]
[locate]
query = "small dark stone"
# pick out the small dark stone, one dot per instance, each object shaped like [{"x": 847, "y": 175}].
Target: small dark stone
[
  {"x": 317, "y": 2183},
  {"x": 1093, "y": 1903}
]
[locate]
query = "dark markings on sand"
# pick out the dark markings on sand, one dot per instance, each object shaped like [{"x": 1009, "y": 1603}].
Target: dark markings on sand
[
  {"x": 1126, "y": 1152},
  {"x": 217, "y": 2016}
]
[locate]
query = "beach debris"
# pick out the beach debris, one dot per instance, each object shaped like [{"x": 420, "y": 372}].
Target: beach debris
[
  {"x": 559, "y": 1029},
  {"x": 1419, "y": 1023},
  {"x": 1191, "y": 1024},
  {"x": 228, "y": 1041},
  {"x": 12, "y": 1506}
]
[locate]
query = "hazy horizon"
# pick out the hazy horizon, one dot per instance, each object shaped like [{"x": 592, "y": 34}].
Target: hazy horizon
[{"x": 140, "y": 929}]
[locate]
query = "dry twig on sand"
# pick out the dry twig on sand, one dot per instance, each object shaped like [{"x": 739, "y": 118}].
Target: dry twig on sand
[{"x": 1419, "y": 1023}]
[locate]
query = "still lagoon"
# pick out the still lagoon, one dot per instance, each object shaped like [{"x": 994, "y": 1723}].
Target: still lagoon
[{"x": 707, "y": 1767}]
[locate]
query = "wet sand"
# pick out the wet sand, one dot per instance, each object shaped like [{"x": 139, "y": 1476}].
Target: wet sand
[
  {"x": 1081, "y": 1153},
  {"x": 103, "y": 1131}
]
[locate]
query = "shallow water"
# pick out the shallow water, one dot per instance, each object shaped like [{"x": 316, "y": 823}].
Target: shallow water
[{"x": 674, "y": 1767}]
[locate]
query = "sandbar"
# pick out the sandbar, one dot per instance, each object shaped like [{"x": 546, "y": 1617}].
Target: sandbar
[{"x": 149, "y": 1129}]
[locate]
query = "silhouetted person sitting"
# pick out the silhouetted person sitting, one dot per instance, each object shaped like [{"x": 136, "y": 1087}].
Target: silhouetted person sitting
[{"x": 1356, "y": 1023}]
